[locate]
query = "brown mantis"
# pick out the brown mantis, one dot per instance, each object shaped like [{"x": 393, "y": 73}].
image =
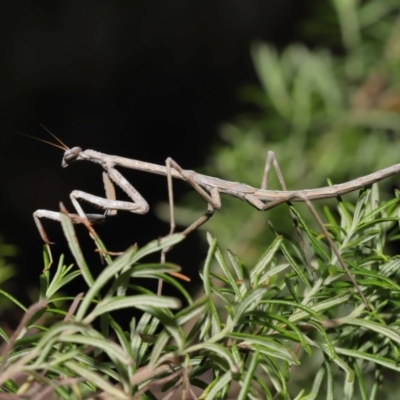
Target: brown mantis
[{"x": 208, "y": 187}]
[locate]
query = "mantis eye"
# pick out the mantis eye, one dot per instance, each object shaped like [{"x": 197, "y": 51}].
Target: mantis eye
[{"x": 70, "y": 156}]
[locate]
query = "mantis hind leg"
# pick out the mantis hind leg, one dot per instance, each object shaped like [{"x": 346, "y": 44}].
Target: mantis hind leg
[{"x": 271, "y": 161}]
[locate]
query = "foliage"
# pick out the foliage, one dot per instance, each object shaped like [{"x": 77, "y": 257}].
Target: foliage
[{"x": 257, "y": 332}]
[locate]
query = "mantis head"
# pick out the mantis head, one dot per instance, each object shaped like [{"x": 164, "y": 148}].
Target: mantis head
[{"x": 70, "y": 156}]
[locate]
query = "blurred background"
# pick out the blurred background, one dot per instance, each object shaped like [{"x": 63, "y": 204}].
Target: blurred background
[{"x": 212, "y": 84}]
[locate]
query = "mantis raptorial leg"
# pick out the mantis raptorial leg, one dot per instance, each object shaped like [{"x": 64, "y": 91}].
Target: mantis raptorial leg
[{"x": 208, "y": 187}]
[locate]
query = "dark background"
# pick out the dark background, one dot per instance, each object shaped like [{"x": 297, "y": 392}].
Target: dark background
[{"x": 145, "y": 80}]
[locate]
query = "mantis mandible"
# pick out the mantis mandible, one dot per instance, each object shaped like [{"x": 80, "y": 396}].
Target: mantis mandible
[{"x": 208, "y": 187}]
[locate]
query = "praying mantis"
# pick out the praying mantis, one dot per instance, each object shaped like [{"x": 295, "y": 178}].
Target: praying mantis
[{"x": 210, "y": 188}]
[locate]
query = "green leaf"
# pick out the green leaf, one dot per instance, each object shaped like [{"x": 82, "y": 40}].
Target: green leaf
[
  {"x": 222, "y": 263},
  {"x": 218, "y": 384},
  {"x": 367, "y": 237},
  {"x": 319, "y": 376},
  {"x": 248, "y": 303},
  {"x": 188, "y": 313},
  {"x": 378, "y": 210},
  {"x": 321, "y": 306},
  {"x": 267, "y": 346},
  {"x": 215, "y": 320},
  {"x": 97, "y": 380},
  {"x": 265, "y": 259},
  {"x": 359, "y": 210},
  {"x": 316, "y": 243},
  {"x": 237, "y": 266},
  {"x": 159, "y": 347},
  {"x": 222, "y": 352},
  {"x": 291, "y": 260},
  {"x": 112, "y": 349},
  {"x": 248, "y": 377},
  {"x": 122, "y": 263},
  {"x": 330, "y": 382},
  {"x": 73, "y": 244},
  {"x": 137, "y": 301},
  {"x": 373, "y": 326},
  {"x": 361, "y": 382}
]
